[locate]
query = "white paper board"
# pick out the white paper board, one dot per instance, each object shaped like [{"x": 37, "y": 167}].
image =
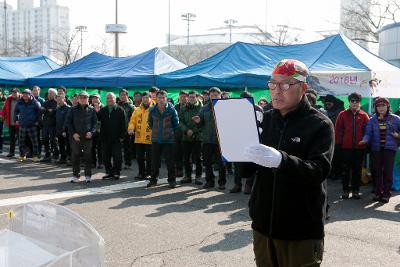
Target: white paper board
[{"x": 236, "y": 126}]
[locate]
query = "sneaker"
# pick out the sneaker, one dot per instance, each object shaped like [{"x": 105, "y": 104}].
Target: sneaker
[
  {"x": 186, "y": 180},
  {"x": 61, "y": 161},
  {"x": 88, "y": 179},
  {"x": 74, "y": 180},
  {"x": 247, "y": 189},
  {"x": 172, "y": 185},
  {"x": 152, "y": 183},
  {"x": 208, "y": 185},
  {"x": 345, "y": 195},
  {"x": 140, "y": 178},
  {"x": 35, "y": 159},
  {"x": 236, "y": 189},
  {"x": 107, "y": 176},
  {"x": 46, "y": 159},
  {"x": 10, "y": 155},
  {"x": 355, "y": 195},
  {"x": 198, "y": 181},
  {"x": 22, "y": 158}
]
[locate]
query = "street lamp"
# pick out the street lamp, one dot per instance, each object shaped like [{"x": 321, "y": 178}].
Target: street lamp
[
  {"x": 81, "y": 29},
  {"x": 230, "y": 23},
  {"x": 189, "y": 17}
]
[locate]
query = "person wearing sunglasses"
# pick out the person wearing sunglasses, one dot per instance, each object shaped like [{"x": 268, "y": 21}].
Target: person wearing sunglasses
[
  {"x": 382, "y": 133},
  {"x": 288, "y": 201},
  {"x": 349, "y": 131}
]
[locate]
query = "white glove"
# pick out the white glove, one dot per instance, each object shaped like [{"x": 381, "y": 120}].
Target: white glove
[{"x": 264, "y": 155}]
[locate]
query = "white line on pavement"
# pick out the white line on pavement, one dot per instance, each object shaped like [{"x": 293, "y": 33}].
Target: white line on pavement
[{"x": 74, "y": 193}]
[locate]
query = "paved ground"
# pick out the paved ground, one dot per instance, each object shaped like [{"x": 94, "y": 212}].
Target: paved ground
[{"x": 189, "y": 226}]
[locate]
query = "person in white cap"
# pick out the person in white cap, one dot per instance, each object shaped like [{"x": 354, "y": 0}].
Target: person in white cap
[{"x": 81, "y": 122}]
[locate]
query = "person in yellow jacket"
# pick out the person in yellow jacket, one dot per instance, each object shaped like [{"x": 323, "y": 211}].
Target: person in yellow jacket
[{"x": 138, "y": 126}]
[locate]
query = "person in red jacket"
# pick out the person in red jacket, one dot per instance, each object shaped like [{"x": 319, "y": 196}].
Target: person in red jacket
[
  {"x": 7, "y": 114},
  {"x": 349, "y": 131}
]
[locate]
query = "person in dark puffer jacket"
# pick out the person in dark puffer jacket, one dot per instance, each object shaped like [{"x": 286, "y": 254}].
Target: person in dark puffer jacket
[
  {"x": 163, "y": 121},
  {"x": 26, "y": 115}
]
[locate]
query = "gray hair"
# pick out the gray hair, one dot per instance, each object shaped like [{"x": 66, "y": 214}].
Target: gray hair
[
  {"x": 112, "y": 94},
  {"x": 52, "y": 90}
]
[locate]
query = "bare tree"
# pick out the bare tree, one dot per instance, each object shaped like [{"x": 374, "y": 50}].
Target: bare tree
[
  {"x": 66, "y": 45},
  {"x": 192, "y": 54},
  {"x": 26, "y": 47},
  {"x": 363, "y": 19},
  {"x": 103, "y": 47},
  {"x": 280, "y": 35}
]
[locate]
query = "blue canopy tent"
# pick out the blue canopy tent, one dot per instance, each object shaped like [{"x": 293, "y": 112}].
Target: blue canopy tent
[
  {"x": 16, "y": 70},
  {"x": 99, "y": 71},
  {"x": 337, "y": 64}
]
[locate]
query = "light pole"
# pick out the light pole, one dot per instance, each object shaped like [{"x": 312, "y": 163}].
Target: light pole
[
  {"x": 116, "y": 33},
  {"x": 81, "y": 29},
  {"x": 5, "y": 29},
  {"x": 189, "y": 17},
  {"x": 230, "y": 23},
  {"x": 169, "y": 25}
]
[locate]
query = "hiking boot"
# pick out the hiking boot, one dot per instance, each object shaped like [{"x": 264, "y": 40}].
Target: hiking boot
[
  {"x": 355, "y": 195},
  {"x": 107, "y": 176},
  {"x": 152, "y": 183},
  {"x": 74, "y": 179},
  {"x": 208, "y": 185},
  {"x": 345, "y": 195},
  {"x": 186, "y": 180},
  {"x": 385, "y": 200},
  {"x": 236, "y": 189},
  {"x": 172, "y": 185},
  {"x": 377, "y": 198},
  {"x": 198, "y": 181},
  {"x": 247, "y": 189}
]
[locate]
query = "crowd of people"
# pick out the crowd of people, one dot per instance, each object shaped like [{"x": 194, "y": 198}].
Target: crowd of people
[{"x": 148, "y": 127}]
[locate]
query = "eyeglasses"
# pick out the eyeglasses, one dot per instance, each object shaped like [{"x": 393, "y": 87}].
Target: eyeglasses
[
  {"x": 283, "y": 86},
  {"x": 355, "y": 101}
]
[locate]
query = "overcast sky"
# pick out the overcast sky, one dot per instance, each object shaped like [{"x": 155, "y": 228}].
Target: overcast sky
[{"x": 147, "y": 20}]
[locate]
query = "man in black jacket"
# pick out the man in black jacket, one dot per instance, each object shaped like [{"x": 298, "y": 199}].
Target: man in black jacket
[
  {"x": 61, "y": 129},
  {"x": 112, "y": 132},
  {"x": 288, "y": 201},
  {"x": 49, "y": 125},
  {"x": 81, "y": 122}
]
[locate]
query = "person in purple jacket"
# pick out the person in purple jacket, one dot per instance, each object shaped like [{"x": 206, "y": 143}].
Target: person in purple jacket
[{"x": 382, "y": 133}]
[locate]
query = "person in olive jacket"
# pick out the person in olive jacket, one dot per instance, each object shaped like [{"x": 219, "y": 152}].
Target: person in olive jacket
[
  {"x": 112, "y": 132},
  {"x": 81, "y": 122},
  {"x": 287, "y": 205},
  {"x": 191, "y": 138}
]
